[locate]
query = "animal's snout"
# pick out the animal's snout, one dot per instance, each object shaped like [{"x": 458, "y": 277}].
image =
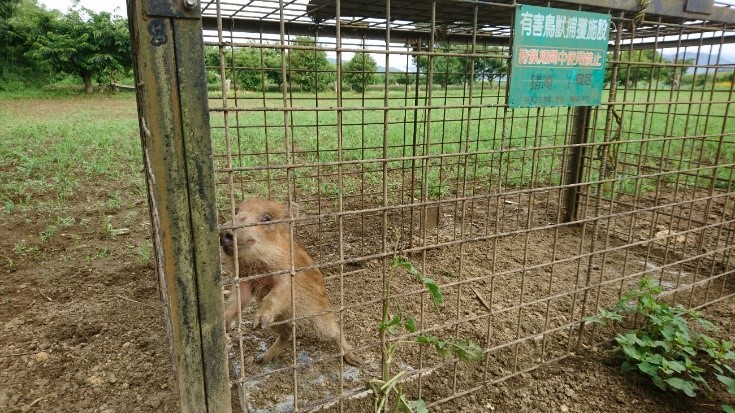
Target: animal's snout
[{"x": 227, "y": 241}]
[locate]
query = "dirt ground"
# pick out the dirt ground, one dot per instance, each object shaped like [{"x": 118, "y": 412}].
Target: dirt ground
[{"x": 82, "y": 329}]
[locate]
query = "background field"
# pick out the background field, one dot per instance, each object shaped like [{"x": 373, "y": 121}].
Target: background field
[{"x": 82, "y": 326}]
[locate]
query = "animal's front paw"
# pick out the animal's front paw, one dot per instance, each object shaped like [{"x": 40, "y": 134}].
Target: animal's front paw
[{"x": 263, "y": 318}]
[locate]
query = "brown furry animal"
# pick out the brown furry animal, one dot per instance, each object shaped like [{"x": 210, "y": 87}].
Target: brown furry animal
[{"x": 265, "y": 248}]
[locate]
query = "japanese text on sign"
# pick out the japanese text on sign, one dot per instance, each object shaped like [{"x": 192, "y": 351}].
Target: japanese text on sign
[
  {"x": 549, "y": 25},
  {"x": 558, "y": 57}
]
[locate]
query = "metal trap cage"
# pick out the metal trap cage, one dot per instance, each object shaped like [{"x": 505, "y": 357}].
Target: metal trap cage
[{"x": 384, "y": 129}]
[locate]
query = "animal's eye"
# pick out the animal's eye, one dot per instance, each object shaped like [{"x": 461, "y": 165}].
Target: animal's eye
[{"x": 266, "y": 218}]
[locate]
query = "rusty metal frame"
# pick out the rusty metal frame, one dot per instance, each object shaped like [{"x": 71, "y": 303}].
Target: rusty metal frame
[
  {"x": 177, "y": 154},
  {"x": 589, "y": 159}
]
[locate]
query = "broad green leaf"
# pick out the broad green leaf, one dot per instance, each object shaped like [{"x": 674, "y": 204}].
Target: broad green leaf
[
  {"x": 680, "y": 384},
  {"x": 417, "y": 406},
  {"x": 390, "y": 325},
  {"x": 401, "y": 262},
  {"x": 709, "y": 342},
  {"x": 676, "y": 366},
  {"x": 659, "y": 383},
  {"x": 430, "y": 340},
  {"x": 439, "y": 345},
  {"x": 727, "y": 381},
  {"x": 648, "y": 368},
  {"x": 410, "y": 325},
  {"x": 632, "y": 352},
  {"x": 596, "y": 319},
  {"x": 706, "y": 324},
  {"x": 627, "y": 367},
  {"x": 467, "y": 350},
  {"x": 727, "y": 408},
  {"x": 436, "y": 295}
]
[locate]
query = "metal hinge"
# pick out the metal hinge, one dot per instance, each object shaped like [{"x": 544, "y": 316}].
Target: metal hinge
[{"x": 173, "y": 8}]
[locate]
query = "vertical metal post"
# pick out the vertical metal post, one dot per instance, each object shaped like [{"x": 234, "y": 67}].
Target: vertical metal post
[
  {"x": 168, "y": 54},
  {"x": 573, "y": 171}
]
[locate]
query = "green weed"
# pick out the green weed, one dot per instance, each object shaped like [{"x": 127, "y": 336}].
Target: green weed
[
  {"x": 99, "y": 253},
  {"x": 107, "y": 228},
  {"x": 22, "y": 249},
  {"x": 114, "y": 202},
  {"x": 49, "y": 158},
  {"x": 665, "y": 347},
  {"x": 144, "y": 254},
  {"x": 48, "y": 232},
  {"x": 393, "y": 321}
]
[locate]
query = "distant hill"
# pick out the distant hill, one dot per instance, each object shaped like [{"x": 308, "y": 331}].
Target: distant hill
[{"x": 702, "y": 59}]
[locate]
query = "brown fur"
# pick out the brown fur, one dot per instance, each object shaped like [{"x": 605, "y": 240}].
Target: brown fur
[{"x": 265, "y": 248}]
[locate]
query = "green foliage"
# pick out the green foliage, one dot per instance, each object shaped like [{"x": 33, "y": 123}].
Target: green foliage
[
  {"x": 21, "y": 22},
  {"x": 665, "y": 347},
  {"x": 456, "y": 70},
  {"x": 359, "y": 72},
  {"x": 645, "y": 66},
  {"x": 85, "y": 43},
  {"x": 309, "y": 68},
  {"x": 251, "y": 68},
  {"x": 389, "y": 384},
  {"x": 436, "y": 295}
]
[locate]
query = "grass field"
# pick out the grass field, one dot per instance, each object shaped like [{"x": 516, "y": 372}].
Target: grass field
[
  {"x": 45, "y": 159},
  {"x": 84, "y": 291},
  {"x": 70, "y": 154},
  {"x": 654, "y": 136},
  {"x": 76, "y": 260}
]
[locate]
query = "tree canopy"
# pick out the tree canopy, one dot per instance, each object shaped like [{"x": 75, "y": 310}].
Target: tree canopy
[
  {"x": 359, "y": 72},
  {"x": 308, "y": 66},
  {"x": 88, "y": 44},
  {"x": 21, "y": 21},
  {"x": 251, "y": 68},
  {"x": 36, "y": 43},
  {"x": 455, "y": 69},
  {"x": 646, "y": 66}
]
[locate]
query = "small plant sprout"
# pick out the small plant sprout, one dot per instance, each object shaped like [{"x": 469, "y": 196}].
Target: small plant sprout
[
  {"x": 107, "y": 227},
  {"x": 670, "y": 345},
  {"x": 48, "y": 232},
  {"x": 99, "y": 253},
  {"x": 144, "y": 253},
  {"x": 389, "y": 384}
]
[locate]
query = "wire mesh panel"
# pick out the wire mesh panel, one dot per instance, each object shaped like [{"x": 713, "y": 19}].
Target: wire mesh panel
[{"x": 383, "y": 132}]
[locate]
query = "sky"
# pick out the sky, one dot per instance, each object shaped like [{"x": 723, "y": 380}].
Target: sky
[
  {"x": 96, "y": 5},
  {"x": 119, "y": 8}
]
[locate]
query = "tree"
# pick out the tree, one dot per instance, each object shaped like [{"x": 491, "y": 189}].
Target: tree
[
  {"x": 641, "y": 66},
  {"x": 309, "y": 67},
  {"x": 85, "y": 43},
  {"x": 446, "y": 70},
  {"x": 489, "y": 68},
  {"x": 359, "y": 72},
  {"x": 21, "y": 21},
  {"x": 253, "y": 67},
  {"x": 7, "y": 8},
  {"x": 455, "y": 70}
]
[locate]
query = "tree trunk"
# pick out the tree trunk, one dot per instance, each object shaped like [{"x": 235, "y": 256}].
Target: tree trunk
[{"x": 88, "y": 88}]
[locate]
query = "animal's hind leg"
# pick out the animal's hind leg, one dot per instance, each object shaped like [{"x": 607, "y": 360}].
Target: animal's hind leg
[
  {"x": 326, "y": 324},
  {"x": 284, "y": 334}
]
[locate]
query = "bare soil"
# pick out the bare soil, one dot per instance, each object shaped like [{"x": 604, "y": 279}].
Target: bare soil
[{"x": 82, "y": 327}]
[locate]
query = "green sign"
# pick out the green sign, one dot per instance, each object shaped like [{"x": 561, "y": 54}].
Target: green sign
[{"x": 558, "y": 57}]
